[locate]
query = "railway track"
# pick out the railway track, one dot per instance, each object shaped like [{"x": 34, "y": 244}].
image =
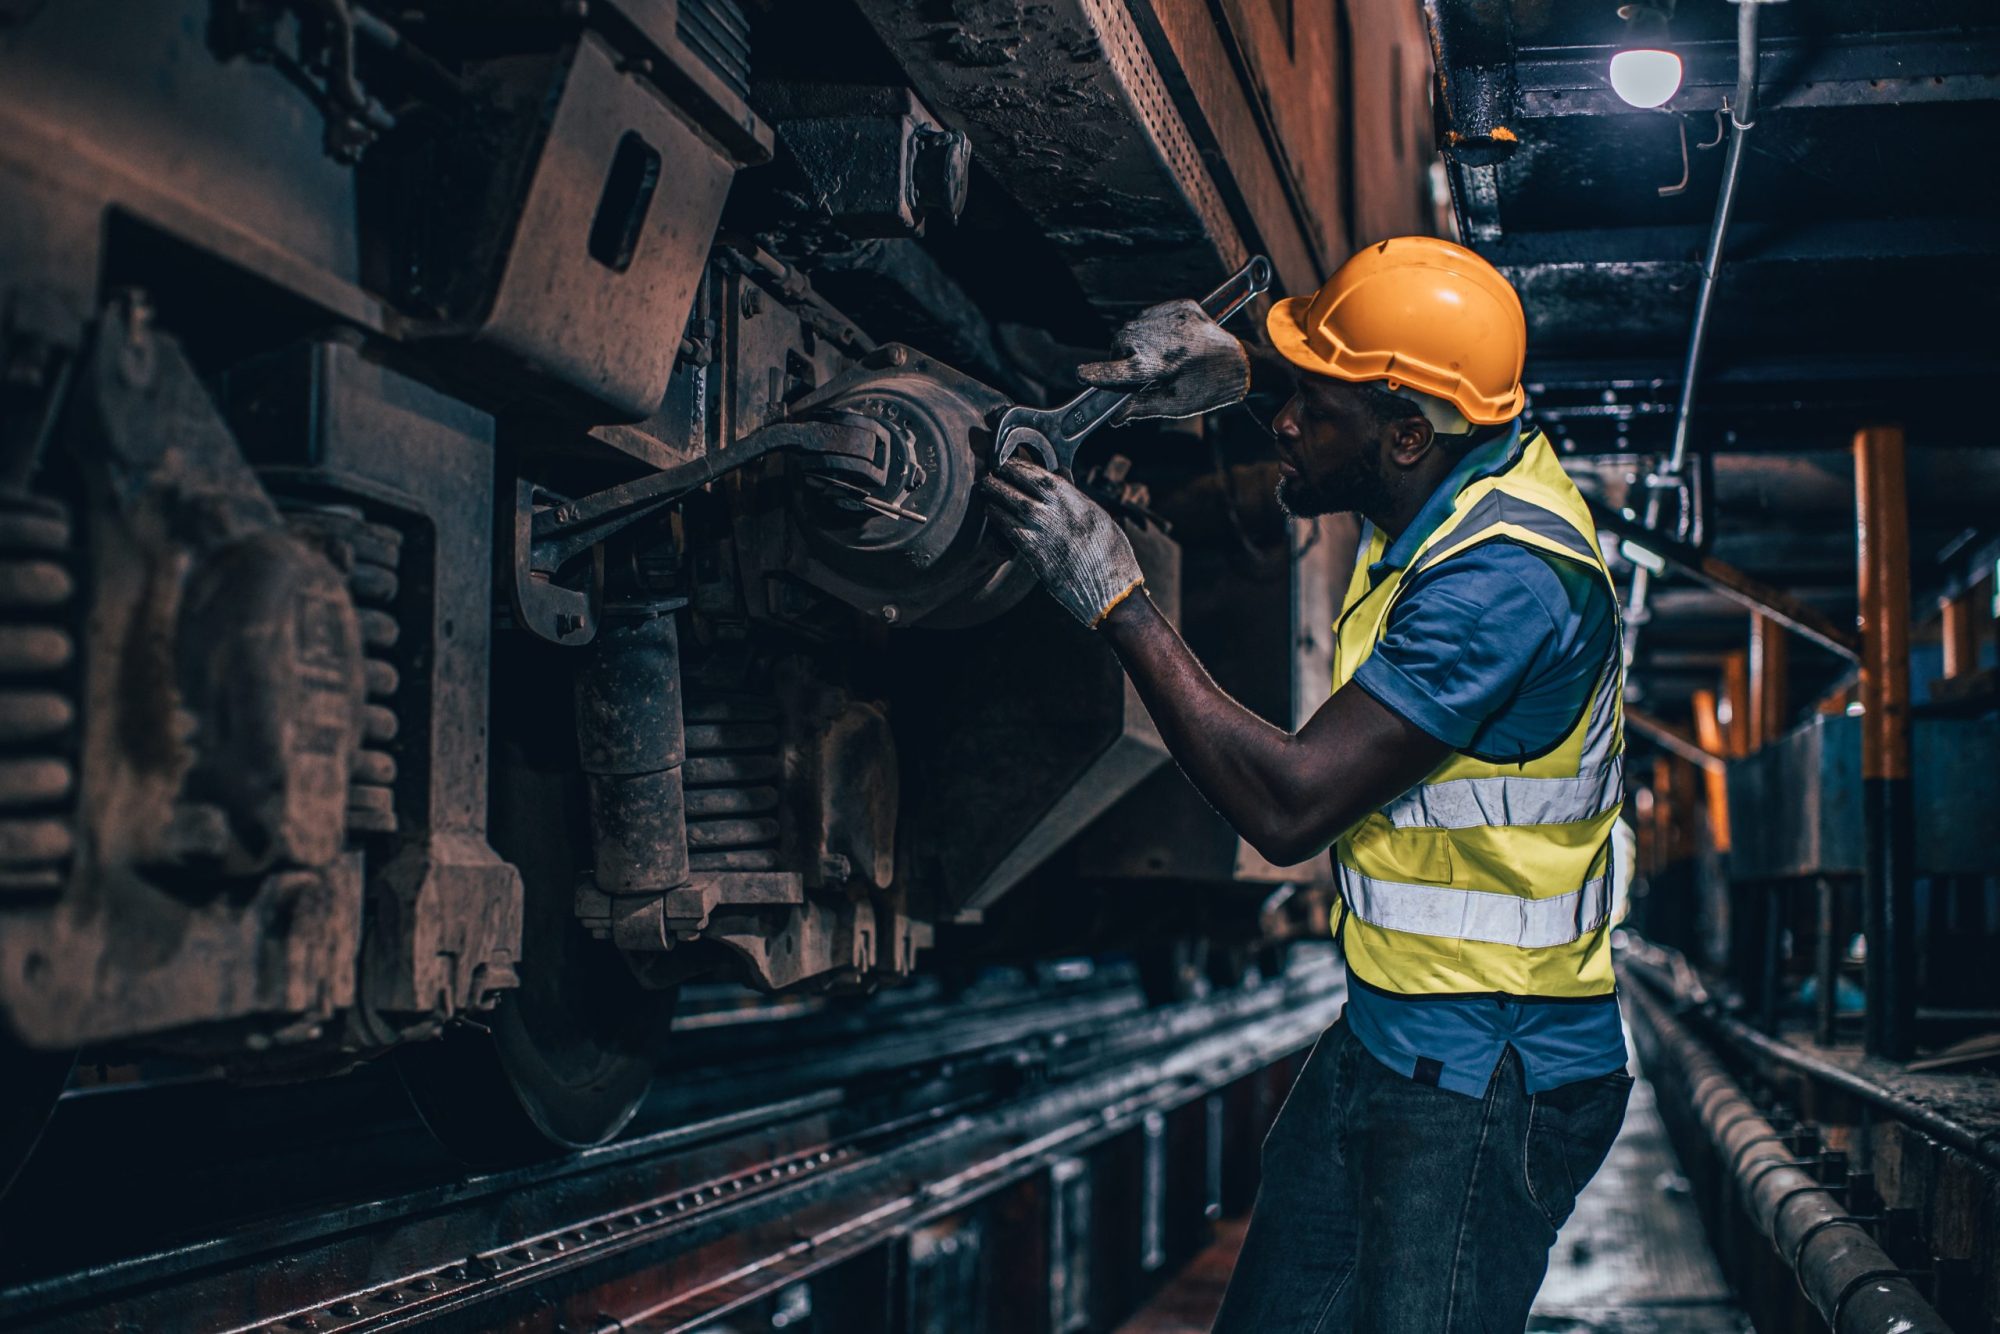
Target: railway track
[{"x": 848, "y": 1157}]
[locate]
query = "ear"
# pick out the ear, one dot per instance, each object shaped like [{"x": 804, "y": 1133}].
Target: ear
[{"x": 1410, "y": 441}]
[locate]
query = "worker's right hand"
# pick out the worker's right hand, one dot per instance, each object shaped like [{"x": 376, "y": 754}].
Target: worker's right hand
[
  {"x": 1175, "y": 362},
  {"x": 1077, "y": 549}
]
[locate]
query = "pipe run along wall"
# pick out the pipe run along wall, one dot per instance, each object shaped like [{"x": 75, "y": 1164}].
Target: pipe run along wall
[{"x": 1851, "y": 1282}]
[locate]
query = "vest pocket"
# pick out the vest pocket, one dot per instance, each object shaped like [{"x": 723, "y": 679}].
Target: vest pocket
[
  {"x": 1413, "y": 856},
  {"x": 1406, "y": 856}
]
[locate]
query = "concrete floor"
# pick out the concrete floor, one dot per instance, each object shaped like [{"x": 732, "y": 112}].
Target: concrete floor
[{"x": 1631, "y": 1260}]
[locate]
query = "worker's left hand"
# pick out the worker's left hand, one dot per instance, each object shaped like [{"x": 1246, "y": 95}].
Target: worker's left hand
[
  {"x": 1175, "y": 362},
  {"x": 1083, "y": 557}
]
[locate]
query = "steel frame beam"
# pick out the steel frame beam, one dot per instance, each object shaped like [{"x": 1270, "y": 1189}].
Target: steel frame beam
[
  {"x": 1734, "y": 584},
  {"x": 1671, "y": 249},
  {"x": 1671, "y": 738},
  {"x": 1572, "y": 81}
]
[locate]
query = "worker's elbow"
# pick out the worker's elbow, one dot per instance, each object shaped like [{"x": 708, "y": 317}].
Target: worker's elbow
[{"x": 1283, "y": 843}]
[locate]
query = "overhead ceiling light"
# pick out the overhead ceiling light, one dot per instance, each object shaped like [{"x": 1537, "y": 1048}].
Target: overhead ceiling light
[{"x": 1645, "y": 71}]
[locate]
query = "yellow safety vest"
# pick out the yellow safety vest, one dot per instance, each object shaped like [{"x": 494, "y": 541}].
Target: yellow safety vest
[{"x": 1489, "y": 879}]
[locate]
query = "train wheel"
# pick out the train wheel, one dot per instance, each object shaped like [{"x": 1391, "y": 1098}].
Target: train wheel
[
  {"x": 566, "y": 1058},
  {"x": 30, "y": 1083},
  {"x": 557, "y": 1067}
]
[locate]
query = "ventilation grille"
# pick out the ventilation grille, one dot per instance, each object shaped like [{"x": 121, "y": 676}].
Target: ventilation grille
[{"x": 716, "y": 31}]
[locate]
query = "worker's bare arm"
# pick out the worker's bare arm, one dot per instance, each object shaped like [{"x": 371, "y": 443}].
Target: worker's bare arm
[{"x": 1290, "y": 795}]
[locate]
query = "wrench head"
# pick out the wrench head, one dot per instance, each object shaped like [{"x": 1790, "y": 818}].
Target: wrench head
[{"x": 1013, "y": 436}]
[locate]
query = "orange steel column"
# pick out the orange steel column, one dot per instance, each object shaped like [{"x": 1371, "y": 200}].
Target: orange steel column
[
  {"x": 1960, "y": 629},
  {"x": 1736, "y": 694},
  {"x": 1708, "y": 731},
  {"x": 1882, "y": 504},
  {"x": 1665, "y": 853},
  {"x": 1770, "y": 654}
]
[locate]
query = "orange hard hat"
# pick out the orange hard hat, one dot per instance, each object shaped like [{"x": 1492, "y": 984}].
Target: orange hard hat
[{"x": 1415, "y": 311}]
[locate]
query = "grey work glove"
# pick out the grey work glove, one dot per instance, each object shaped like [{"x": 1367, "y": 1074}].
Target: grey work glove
[
  {"x": 1082, "y": 556},
  {"x": 1175, "y": 362}
]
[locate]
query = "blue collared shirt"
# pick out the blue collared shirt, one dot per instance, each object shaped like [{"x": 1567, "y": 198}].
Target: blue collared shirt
[{"x": 1494, "y": 652}]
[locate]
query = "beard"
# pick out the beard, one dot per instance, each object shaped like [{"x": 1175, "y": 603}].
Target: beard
[{"x": 1355, "y": 486}]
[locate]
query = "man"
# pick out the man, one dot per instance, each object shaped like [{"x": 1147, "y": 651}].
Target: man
[{"x": 1466, "y": 773}]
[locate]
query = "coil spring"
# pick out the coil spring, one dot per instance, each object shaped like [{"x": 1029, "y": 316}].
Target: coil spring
[
  {"x": 370, "y": 555},
  {"x": 731, "y": 778},
  {"x": 37, "y": 698}
]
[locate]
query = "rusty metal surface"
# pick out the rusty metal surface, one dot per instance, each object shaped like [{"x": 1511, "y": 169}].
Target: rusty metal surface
[
  {"x": 1066, "y": 105},
  {"x": 301, "y": 303},
  {"x": 218, "y": 715},
  {"x": 322, "y": 420}
]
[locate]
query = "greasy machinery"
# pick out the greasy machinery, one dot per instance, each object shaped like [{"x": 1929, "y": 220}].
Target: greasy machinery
[{"x": 490, "y": 525}]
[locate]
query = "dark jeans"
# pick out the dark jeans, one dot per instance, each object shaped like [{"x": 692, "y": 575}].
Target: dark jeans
[{"x": 1392, "y": 1207}]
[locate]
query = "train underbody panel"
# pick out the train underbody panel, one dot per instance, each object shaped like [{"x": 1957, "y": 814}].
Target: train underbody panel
[{"x": 491, "y": 521}]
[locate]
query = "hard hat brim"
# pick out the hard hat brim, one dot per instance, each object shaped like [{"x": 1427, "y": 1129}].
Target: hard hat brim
[{"x": 1285, "y": 323}]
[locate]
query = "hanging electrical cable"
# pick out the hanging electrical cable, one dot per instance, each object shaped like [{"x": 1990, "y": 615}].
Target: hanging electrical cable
[{"x": 1671, "y": 473}]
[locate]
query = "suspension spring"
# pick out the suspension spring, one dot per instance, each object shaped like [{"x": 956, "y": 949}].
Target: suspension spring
[
  {"x": 370, "y": 555},
  {"x": 38, "y": 708},
  {"x": 733, "y": 769}
]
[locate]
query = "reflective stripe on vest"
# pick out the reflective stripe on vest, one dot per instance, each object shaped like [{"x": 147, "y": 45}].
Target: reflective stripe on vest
[{"x": 1478, "y": 914}]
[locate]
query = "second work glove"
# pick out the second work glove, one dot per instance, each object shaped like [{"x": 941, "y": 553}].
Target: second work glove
[
  {"x": 1083, "y": 557},
  {"x": 1175, "y": 362}
]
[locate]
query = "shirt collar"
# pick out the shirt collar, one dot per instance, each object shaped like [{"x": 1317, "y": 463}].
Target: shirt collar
[{"x": 1496, "y": 455}]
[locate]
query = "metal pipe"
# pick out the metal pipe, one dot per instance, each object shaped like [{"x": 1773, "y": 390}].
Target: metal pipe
[
  {"x": 1849, "y": 1280},
  {"x": 1742, "y": 117},
  {"x": 1671, "y": 977}
]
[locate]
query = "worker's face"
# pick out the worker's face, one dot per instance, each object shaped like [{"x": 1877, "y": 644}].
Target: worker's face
[{"x": 1334, "y": 453}]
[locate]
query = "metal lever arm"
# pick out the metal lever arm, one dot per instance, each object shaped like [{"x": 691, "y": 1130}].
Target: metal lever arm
[
  {"x": 544, "y": 538},
  {"x": 567, "y": 530},
  {"x": 1053, "y": 434}
]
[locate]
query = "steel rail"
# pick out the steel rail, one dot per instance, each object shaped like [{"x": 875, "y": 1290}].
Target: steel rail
[
  {"x": 839, "y": 1166},
  {"x": 198, "y": 1155}
]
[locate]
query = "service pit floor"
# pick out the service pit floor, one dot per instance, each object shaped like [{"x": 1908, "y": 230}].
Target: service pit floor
[{"x": 1631, "y": 1260}]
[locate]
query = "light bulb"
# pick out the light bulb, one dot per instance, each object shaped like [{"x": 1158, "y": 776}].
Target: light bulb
[{"x": 1646, "y": 78}]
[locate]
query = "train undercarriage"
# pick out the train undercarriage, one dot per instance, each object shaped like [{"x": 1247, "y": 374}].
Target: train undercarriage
[{"x": 490, "y": 515}]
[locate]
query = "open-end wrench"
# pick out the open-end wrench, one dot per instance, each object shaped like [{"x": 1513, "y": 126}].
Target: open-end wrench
[{"x": 1052, "y": 434}]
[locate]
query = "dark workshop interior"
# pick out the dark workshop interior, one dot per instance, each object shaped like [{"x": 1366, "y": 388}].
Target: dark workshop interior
[{"x": 550, "y": 780}]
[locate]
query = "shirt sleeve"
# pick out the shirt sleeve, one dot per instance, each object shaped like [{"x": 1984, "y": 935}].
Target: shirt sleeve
[{"x": 1465, "y": 636}]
